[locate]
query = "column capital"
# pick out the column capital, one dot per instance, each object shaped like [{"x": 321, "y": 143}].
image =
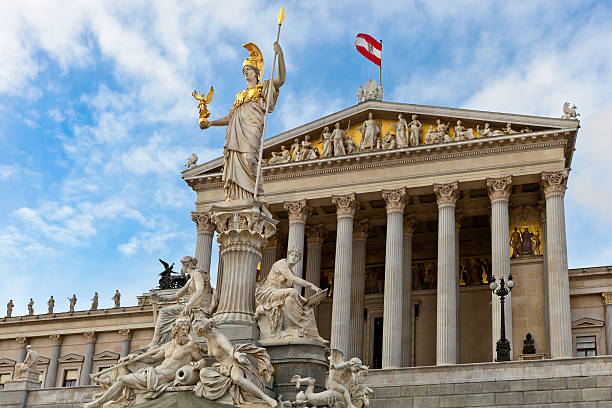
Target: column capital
[
  {"x": 271, "y": 242},
  {"x": 360, "y": 230},
  {"x": 607, "y": 298},
  {"x": 409, "y": 224},
  {"x": 90, "y": 337},
  {"x": 499, "y": 188},
  {"x": 458, "y": 219},
  {"x": 22, "y": 341},
  {"x": 346, "y": 205},
  {"x": 446, "y": 194},
  {"x": 554, "y": 182},
  {"x": 204, "y": 221},
  {"x": 395, "y": 199},
  {"x": 125, "y": 334},
  {"x": 315, "y": 234},
  {"x": 55, "y": 339},
  {"x": 298, "y": 210}
]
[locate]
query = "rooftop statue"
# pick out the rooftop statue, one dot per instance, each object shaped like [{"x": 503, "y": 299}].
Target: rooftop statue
[
  {"x": 192, "y": 161},
  {"x": 51, "y": 304},
  {"x": 569, "y": 113},
  {"x": 9, "y": 308},
  {"x": 94, "y": 302},
  {"x": 245, "y": 123},
  {"x": 72, "y": 301},
  {"x": 168, "y": 279},
  {"x": 31, "y": 307},
  {"x": 117, "y": 298}
]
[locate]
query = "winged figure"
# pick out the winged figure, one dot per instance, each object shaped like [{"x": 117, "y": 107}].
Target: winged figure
[
  {"x": 569, "y": 113},
  {"x": 202, "y": 104},
  {"x": 192, "y": 161}
]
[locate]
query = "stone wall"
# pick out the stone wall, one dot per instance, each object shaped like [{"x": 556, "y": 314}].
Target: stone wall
[{"x": 584, "y": 382}]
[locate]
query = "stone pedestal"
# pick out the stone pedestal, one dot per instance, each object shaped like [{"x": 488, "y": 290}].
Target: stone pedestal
[
  {"x": 15, "y": 392},
  {"x": 242, "y": 229},
  {"x": 290, "y": 357}
]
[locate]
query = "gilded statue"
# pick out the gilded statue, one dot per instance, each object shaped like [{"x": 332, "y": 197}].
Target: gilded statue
[
  {"x": 245, "y": 122},
  {"x": 203, "y": 101}
]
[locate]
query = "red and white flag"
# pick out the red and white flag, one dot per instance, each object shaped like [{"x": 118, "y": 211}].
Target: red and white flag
[{"x": 369, "y": 47}]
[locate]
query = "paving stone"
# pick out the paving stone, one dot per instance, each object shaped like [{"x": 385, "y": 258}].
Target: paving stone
[
  {"x": 581, "y": 382},
  {"x": 537, "y": 397},
  {"x": 596, "y": 394},
  {"x": 426, "y": 402},
  {"x": 567, "y": 395},
  {"x": 509, "y": 398}
]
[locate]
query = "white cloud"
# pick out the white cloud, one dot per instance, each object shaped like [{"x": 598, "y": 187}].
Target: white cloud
[
  {"x": 8, "y": 171},
  {"x": 149, "y": 242}
]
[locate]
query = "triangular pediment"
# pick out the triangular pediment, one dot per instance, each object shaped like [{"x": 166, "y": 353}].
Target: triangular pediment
[
  {"x": 587, "y": 322},
  {"x": 71, "y": 358},
  {"x": 387, "y": 114},
  {"x": 7, "y": 362},
  {"x": 106, "y": 355}
]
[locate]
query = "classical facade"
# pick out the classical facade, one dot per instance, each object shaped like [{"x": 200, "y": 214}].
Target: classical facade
[{"x": 406, "y": 231}]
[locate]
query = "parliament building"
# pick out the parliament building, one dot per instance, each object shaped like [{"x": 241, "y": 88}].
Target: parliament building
[{"x": 408, "y": 215}]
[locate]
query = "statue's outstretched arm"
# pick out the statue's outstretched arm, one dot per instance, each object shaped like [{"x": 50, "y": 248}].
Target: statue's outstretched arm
[
  {"x": 224, "y": 121},
  {"x": 280, "y": 78}
]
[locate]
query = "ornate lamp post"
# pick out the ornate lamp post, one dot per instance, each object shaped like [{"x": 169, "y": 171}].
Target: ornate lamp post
[{"x": 502, "y": 290}]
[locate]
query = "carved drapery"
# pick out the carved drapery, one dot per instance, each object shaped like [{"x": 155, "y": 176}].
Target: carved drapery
[
  {"x": 360, "y": 229},
  {"x": 298, "y": 210},
  {"x": 554, "y": 182},
  {"x": 395, "y": 199},
  {"x": 499, "y": 188},
  {"x": 446, "y": 194},
  {"x": 346, "y": 205},
  {"x": 203, "y": 221}
]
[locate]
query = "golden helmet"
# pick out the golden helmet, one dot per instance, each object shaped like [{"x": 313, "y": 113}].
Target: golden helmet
[{"x": 255, "y": 58}]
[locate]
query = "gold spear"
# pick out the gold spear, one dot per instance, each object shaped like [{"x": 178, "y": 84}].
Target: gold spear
[{"x": 280, "y": 17}]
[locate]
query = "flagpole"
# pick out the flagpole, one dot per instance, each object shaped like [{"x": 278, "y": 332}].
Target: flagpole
[
  {"x": 281, "y": 17},
  {"x": 380, "y": 66}
]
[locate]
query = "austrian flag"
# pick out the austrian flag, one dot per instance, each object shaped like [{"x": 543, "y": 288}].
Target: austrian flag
[{"x": 369, "y": 48}]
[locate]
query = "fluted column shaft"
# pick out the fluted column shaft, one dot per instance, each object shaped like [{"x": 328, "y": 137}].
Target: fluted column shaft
[
  {"x": 88, "y": 361},
  {"x": 556, "y": 259},
  {"x": 394, "y": 259},
  {"x": 314, "y": 241},
  {"x": 268, "y": 257},
  {"x": 499, "y": 194},
  {"x": 545, "y": 273},
  {"x": 341, "y": 304},
  {"x": 360, "y": 234},
  {"x": 298, "y": 211},
  {"x": 56, "y": 347},
  {"x": 458, "y": 222},
  {"x": 446, "y": 332},
  {"x": 409, "y": 226},
  {"x": 205, "y": 231},
  {"x": 607, "y": 301}
]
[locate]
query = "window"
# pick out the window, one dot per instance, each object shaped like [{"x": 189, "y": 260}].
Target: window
[
  {"x": 70, "y": 378},
  {"x": 586, "y": 346},
  {"x": 4, "y": 377}
]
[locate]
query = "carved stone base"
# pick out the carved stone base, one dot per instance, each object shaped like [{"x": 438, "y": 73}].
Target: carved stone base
[
  {"x": 181, "y": 399},
  {"x": 304, "y": 358},
  {"x": 243, "y": 227},
  {"x": 15, "y": 392}
]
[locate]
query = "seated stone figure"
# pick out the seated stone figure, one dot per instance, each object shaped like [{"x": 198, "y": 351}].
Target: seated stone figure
[
  {"x": 281, "y": 311},
  {"x": 29, "y": 363},
  {"x": 151, "y": 381}
]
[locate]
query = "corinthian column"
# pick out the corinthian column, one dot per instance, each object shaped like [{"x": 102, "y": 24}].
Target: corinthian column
[
  {"x": 446, "y": 333},
  {"x": 554, "y": 184},
  {"x": 56, "y": 347},
  {"x": 409, "y": 226},
  {"x": 341, "y": 304},
  {"x": 23, "y": 342},
  {"x": 298, "y": 211},
  {"x": 607, "y": 301},
  {"x": 458, "y": 222},
  {"x": 206, "y": 229},
  {"x": 499, "y": 194},
  {"x": 360, "y": 234},
  {"x": 268, "y": 256},
  {"x": 90, "y": 338},
  {"x": 314, "y": 240},
  {"x": 394, "y": 259},
  {"x": 126, "y": 341}
]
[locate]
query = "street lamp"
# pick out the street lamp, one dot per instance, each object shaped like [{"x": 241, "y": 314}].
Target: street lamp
[{"x": 502, "y": 290}]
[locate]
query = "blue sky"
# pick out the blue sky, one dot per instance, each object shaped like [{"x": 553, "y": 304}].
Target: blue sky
[{"x": 97, "y": 117}]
